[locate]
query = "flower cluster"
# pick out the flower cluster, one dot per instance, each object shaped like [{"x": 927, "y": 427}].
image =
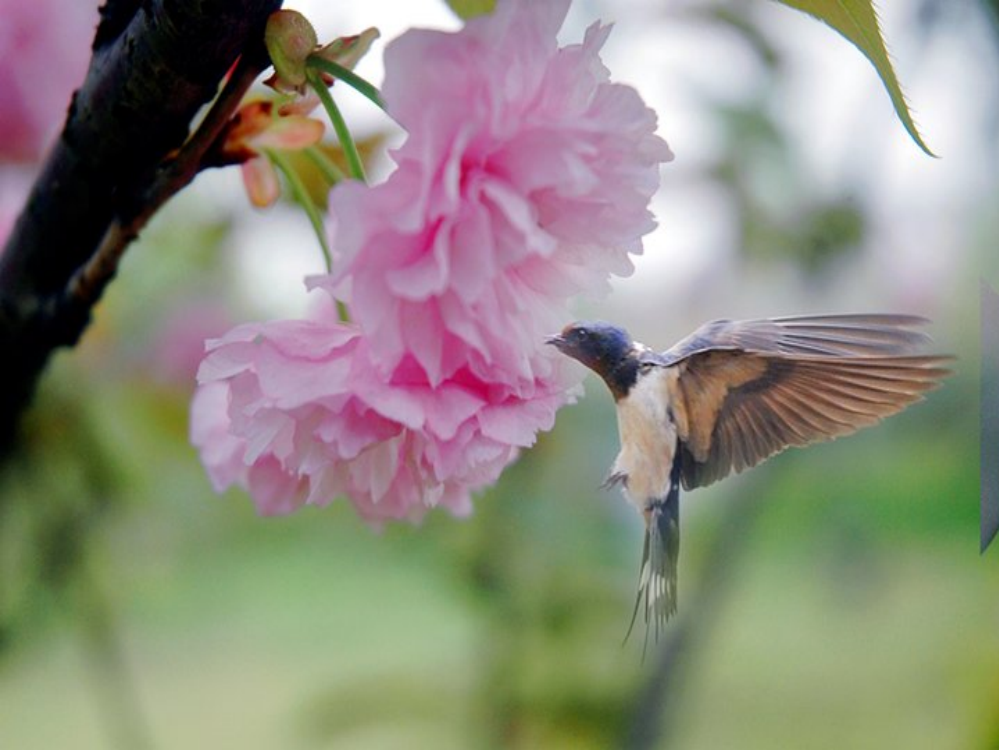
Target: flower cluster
[
  {"x": 310, "y": 417},
  {"x": 524, "y": 180}
]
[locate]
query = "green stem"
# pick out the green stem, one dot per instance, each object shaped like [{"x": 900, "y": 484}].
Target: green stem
[
  {"x": 331, "y": 171},
  {"x": 339, "y": 125},
  {"x": 299, "y": 191},
  {"x": 342, "y": 312},
  {"x": 348, "y": 76}
]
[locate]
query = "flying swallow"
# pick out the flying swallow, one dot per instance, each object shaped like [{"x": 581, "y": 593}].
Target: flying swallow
[{"x": 731, "y": 395}]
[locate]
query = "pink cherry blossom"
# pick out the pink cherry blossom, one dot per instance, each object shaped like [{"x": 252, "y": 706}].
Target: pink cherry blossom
[
  {"x": 295, "y": 412},
  {"x": 44, "y": 49},
  {"x": 525, "y": 179}
]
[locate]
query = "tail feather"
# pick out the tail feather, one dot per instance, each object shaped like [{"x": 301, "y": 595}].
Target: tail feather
[{"x": 657, "y": 584}]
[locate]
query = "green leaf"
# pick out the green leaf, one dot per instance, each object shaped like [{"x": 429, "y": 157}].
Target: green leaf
[
  {"x": 470, "y": 8},
  {"x": 857, "y": 20}
]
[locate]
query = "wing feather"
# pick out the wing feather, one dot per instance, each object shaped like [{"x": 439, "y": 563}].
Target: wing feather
[
  {"x": 810, "y": 335},
  {"x": 744, "y": 406}
]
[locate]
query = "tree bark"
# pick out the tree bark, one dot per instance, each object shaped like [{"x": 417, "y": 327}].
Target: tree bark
[{"x": 155, "y": 64}]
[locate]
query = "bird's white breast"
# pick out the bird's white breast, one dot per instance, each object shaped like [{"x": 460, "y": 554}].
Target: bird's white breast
[{"x": 648, "y": 437}]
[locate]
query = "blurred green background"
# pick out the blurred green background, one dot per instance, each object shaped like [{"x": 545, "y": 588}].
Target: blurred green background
[{"x": 832, "y": 598}]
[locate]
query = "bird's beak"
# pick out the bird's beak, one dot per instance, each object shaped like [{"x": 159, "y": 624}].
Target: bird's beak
[{"x": 555, "y": 340}]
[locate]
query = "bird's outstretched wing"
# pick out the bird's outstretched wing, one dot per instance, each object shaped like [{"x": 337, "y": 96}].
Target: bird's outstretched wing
[
  {"x": 750, "y": 389},
  {"x": 818, "y": 335}
]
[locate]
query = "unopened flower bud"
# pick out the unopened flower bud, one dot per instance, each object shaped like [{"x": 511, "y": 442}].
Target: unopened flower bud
[{"x": 290, "y": 39}]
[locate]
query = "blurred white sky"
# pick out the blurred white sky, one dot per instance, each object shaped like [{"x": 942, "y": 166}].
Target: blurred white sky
[{"x": 926, "y": 212}]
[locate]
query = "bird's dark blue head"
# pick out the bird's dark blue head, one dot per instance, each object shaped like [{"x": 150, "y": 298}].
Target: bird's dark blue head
[{"x": 606, "y": 349}]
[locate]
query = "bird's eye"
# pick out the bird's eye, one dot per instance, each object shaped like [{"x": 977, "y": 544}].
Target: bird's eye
[
  {"x": 582, "y": 333},
  {"x": 645, "y": 366}
]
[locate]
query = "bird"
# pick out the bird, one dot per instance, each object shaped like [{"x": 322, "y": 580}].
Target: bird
[{"x": 732, "y": 394}]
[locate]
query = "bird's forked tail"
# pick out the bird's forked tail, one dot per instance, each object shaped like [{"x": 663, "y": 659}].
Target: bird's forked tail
[{"x": 657, "y": 583}]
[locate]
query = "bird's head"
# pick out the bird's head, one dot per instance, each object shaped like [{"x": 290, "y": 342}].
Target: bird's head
[{"x": 604, "y": 348}]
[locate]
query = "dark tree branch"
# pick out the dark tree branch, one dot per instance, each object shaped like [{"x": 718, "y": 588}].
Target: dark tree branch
[
  {"x": 118, "y": 159},
  {"x": 89, "y": 282}
]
